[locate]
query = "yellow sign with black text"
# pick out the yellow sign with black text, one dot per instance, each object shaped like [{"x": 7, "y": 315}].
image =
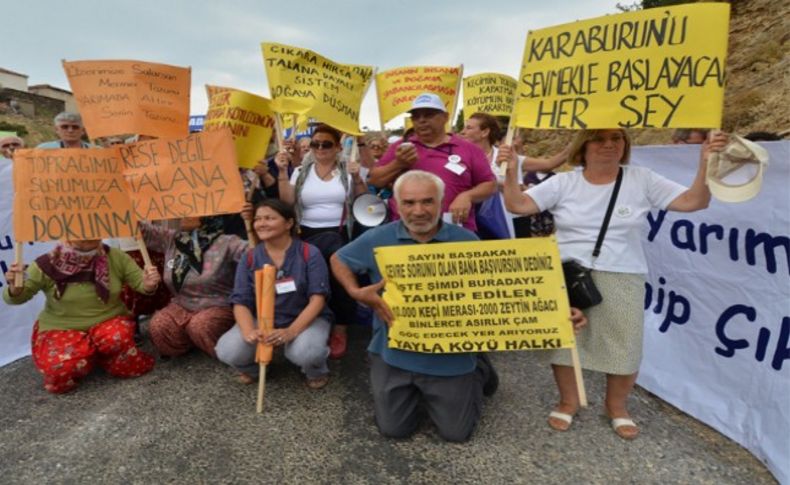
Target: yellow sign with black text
[
  {"x": 249, "y": 118},
  {"x": 480, "y": 296},
  {"x": 303, "y": 82},
  {"x": 397, "y": 88},
  {"x": 653, "y": 68},
  {"x": 489, "y": 93}
]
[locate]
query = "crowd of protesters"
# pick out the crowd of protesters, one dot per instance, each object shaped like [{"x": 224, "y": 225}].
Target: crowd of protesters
[{"x": 439, "y": 186}]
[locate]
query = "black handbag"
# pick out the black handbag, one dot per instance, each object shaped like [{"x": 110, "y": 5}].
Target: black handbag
[{"x": 582, "y": 292}]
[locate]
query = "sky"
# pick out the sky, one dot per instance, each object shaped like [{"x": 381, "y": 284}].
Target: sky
[{"x": 221, "y": 40}]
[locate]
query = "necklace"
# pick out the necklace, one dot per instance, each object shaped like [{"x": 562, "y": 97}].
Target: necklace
[{"x": 329, "y": 173}]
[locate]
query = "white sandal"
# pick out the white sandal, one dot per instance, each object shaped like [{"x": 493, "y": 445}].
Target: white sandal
[
  {"x": 564, "y": 417},
  {"x": 618, "y": 423}
]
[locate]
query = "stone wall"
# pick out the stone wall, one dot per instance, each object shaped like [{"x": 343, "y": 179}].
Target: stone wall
[{"x": 31, "y": 104}]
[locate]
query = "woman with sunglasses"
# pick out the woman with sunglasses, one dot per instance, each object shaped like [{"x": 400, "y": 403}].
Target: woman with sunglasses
[
  {"x": 322, "y": 190},
  {"x": 301, "y": 317}
]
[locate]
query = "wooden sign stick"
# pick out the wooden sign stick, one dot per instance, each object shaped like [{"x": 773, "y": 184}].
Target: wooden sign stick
[
  {"x": 248, "y": 224},
  {"x": 143, "y": 249},
  {"x": 294, "y": 126},
  {"x": 19, "y": 279},
  {"x": 278, "y": 129},
  {"x": 458, "y": 97},
  {"x": 577, "y": 372}
]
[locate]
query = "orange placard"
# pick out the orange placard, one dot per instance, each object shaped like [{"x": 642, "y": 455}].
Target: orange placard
[
  {"x": 264, "y": 288},
  {"x": 185, "y": 177},
  {"x": 131, "y": 97},
  {"x": 72, "y": 194}
]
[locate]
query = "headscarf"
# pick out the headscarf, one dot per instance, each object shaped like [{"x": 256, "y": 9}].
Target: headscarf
[
  {"x": 192, "y": 245},
  {"x": 65, "y": 265}
]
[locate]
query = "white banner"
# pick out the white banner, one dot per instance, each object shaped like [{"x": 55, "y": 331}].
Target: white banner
[
  {"x": 717, "y": 307},
  {"x": 16, "y": 321}
]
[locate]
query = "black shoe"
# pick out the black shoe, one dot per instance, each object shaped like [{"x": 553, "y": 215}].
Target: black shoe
[{"x": 491, "y": 383}]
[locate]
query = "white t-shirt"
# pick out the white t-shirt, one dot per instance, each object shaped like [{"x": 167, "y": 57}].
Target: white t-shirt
[
  {"x": 322, "y": 200},
  {"x": 579, "y": 207}
]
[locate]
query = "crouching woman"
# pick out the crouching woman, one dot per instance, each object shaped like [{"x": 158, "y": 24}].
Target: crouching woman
[
  {"x": 302, "y": 319},
  {"x": 84, "y": 323}
]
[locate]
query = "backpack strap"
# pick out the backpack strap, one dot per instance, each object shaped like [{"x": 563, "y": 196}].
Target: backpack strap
[
  {"x": 305, "y": 251},
  {"x": 250, "y": 257}
]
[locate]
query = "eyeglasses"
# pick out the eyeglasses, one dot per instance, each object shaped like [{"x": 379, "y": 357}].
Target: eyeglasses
[
  {"x": 373, "y": 146},
  {"x": 70, "y": 127},
  {"x": 323, "y": 145}
]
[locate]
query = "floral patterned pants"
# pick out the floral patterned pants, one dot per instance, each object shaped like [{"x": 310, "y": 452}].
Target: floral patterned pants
[{"x": 65, "y": 356}]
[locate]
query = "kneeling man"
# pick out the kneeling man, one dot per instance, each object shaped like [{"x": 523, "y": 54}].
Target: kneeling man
[{"x": 451, "y": 386}]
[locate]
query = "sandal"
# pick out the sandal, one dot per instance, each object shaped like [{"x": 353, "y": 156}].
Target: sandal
[
  {"x": 318, "y": 382},
  {"x": 246, "y": 379},
  {"x": 559, "y": 421},
  {"x": 625, "y": 428}
]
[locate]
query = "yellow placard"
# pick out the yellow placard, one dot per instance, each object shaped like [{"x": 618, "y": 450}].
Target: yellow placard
[
  {"x": 489, "y": 93},
  {"x": 187, "y": 177},
  {"x": 131, "y": 97},
  {"x": 248, "y": 117},
  {"x": 654, "y": 68},
  {"x": 212, "y": 90},
  {"x": 397, "y": 88},
  {"x": 305, "y": 83},
  {"x": 71, "y": 194},
  {"x": 297, "y": 123},
  {"x": 479, "y": 296}
]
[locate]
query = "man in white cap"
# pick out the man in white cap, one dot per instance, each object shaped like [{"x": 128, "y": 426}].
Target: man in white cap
[{"x": 462, "y": 166}]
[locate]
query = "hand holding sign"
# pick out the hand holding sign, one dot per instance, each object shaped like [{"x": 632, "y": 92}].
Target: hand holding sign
[
  {"x": 507, "y": 157},
  {"x": 151, "y": 279},
  {"x": 11, "y": 276},
  {"x": 283, "y": 160}
]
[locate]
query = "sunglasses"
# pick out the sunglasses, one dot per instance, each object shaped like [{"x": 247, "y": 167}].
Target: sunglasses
[
  {"x": 323, "y": 145},
  {"x": 70, "y": 127},
  {"x": 376, "y": 147},
  {"x": 11, "y": 145}
]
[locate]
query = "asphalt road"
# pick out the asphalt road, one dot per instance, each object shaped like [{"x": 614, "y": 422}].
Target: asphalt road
[{"x": 190, "y": 421}]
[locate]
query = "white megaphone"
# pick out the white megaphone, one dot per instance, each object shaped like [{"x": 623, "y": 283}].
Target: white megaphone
[{"x": 369, "y": 210}]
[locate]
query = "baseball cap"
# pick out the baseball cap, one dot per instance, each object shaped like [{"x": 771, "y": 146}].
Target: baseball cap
[{"x": 429, "y": 101}]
